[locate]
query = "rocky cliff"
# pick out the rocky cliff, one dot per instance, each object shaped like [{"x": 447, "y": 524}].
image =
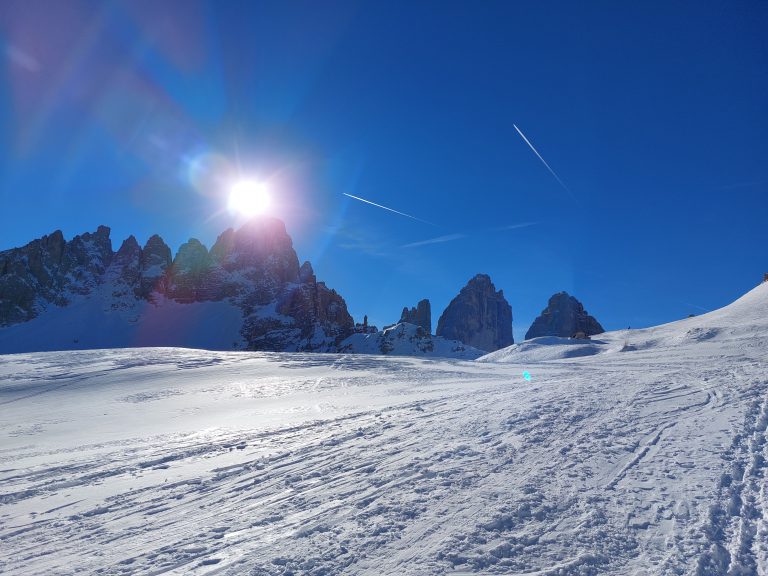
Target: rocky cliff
[
  {"x": 253, "y": 270},
  {"x": 479, "y": 316},
  {"x": 421, "y": 315},
  {"x": 51, "y": 271},
  {"x": 564, "y": 316}
]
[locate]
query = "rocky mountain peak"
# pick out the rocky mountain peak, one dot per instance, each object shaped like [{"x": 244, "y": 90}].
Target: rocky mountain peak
[
  {"x": 192, "y": 257},
  {"x": 155, "y": 253},
  {"x": 224, "y": 246},
  {"x": 307, "y": 274},
  {"x": 479, "y": 316},
  {"x": 128, "y": 247},
  {"x": 154, "y": 262},
  {"x": 421, "y": 315},
  {"x": 86, "y": 257},
  {"x": 53, "y": 244},
  {"x": 564, "y": 316}
]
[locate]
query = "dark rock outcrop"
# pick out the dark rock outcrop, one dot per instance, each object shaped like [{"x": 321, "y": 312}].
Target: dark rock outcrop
[
  {"x": 421, "y": 315},
  {"x": 564, "y": 316},
  {"x": 155, "y": 261},
  {"x": 50, "y": 271},
  {"x": 136, "y": 272},
  {"x": 479, "y": 316},
  {"x": 189, "y": 273},
  {"x": 253, "y": 264},
  {"x": 85, "y": 259},
  {"x": 307, "y": 274}
]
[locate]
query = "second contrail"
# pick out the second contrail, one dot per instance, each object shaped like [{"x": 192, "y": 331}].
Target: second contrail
[
  {"x": 390, "y": 209},
  {"x": 543, "y": 161}
]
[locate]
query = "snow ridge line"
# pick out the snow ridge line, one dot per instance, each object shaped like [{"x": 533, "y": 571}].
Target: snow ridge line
[
  {"x": 737, "y": 529},
  {"x": 69, "y": 382}
]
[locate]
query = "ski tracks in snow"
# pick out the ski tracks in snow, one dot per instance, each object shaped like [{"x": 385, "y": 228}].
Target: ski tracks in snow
[
  {"x": 736, "y": 534},
  {"x": 430, "y": 468}
]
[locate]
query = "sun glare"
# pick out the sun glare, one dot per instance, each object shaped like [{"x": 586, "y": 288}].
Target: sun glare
[{"x": 249, "y": 198}]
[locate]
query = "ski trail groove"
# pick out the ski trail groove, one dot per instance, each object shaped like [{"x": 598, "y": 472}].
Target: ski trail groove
[{"x": 737, "y": 530}]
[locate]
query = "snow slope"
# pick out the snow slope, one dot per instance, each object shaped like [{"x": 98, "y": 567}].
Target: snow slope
[
  {"x": 745, "y": 322},
  {"x": 89, "y": 322},
  {"x": 644, "y": 458}
]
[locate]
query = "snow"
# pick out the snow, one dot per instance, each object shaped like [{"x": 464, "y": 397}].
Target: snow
[
  {"x": 546, "y": 348},
  {"x": 647, "y": 456},
  {"x": 88, "y": 323}
]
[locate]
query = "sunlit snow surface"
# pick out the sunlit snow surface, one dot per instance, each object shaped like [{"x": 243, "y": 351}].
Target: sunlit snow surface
[{"x": 645, "y": 456}]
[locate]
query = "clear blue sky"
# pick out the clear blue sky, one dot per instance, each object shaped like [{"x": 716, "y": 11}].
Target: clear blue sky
[{"x": 654, "y": 114}]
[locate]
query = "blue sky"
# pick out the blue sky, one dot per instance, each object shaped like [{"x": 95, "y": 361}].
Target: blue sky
[{"x": 139, "y": 115}]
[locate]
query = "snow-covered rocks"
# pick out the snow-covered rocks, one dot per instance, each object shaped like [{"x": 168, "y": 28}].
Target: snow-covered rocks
[{"x": 404, "y": 339}]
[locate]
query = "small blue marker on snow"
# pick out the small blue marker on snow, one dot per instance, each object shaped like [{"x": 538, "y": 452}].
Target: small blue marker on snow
[{"x": 526, "y": 375}]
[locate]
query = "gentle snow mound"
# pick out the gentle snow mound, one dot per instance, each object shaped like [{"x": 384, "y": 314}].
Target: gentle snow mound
[
  {"x": 545, "y": 349},
  {"x": 746, "y": 318}
]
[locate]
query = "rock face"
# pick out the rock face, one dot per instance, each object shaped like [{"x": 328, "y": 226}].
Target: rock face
[
  {"x": 479, "y": 316},
  {"x": 421, "y": 315},
  {"x": 154, "y": 261},
  {"x": 50, "y": 271},
  {"x": 564, "y": 316},
  {"x": 253, "y": 269}
]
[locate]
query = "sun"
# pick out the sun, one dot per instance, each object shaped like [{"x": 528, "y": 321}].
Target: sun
[{"x": 249, "y": 198}]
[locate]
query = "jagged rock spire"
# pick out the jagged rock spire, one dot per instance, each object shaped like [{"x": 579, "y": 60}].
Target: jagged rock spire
[
  {"x": 479, "y": 316},
  {"x": 421, "y": 315}
]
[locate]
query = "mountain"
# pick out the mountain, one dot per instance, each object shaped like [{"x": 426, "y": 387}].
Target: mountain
[
  {"x": 479, "y": 316},
  {"x": 421, "y": 315},
  {"x": 50, "y": 271},
  {"x": 248, "y": 291},
  {"x": 564, "y": 316}
]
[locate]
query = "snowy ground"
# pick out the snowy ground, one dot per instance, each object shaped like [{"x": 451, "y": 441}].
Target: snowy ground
[{"x": 645, "y": 455}]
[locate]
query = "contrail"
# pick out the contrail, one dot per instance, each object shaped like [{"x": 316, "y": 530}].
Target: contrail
[
  {"x": 438, "y": 240},
  {"x": 516, "y": 226},
  {"x": 543, "y": 161},
  {"x": 390, "y": 209}
]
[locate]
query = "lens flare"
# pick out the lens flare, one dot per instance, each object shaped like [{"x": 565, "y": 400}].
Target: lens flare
[{"x": 249, "y": 198}]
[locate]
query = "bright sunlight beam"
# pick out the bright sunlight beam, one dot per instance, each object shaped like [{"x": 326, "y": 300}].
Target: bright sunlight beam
[{"x": 249, "y": 198}]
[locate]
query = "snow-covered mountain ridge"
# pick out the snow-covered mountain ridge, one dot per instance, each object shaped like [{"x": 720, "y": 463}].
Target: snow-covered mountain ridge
[
  {"x": 651, "y": 460},
  {"x": 247, "y": 292}
]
